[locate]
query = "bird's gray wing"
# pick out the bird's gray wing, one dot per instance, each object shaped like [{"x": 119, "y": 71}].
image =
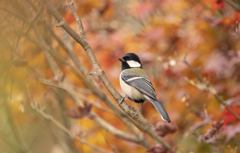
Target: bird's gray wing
[
  {"x": 142, "y": 84},
  {"x": 145, "y": 86}
]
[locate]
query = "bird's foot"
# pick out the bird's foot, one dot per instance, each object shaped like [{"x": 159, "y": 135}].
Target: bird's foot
[
  {"x": 121, "y": 99},
  {"x": 138, "y": 110},
  {"x": 135, "y": 114}
]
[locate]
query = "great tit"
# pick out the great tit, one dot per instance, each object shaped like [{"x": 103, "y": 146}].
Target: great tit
[{"x": 136, "y": 85}]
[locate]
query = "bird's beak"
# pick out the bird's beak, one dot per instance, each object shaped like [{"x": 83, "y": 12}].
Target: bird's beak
[{"x": 121, "y": 59}]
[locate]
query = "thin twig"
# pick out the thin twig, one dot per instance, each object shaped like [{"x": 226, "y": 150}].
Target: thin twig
[
  {"x": 4, "y": 138},
  {"x": 139, "y": 121},
  {"x": 93, "y": 73},
  {"x": 14, "y": 14},
  {"x": 72, "y": 92},
  {"x": 132, "y": 127},
  {"x": 90, "y": 54},
  {"x": 19, "y": 139},
  {"x": 79, "y": 21},
  {"x": 40, "y": 42},
  {"x": 101, "y": 74},
  {"x": 204, "y": 85},
  {"x": 33, "y": 20},
  {"x": 109, "y": 128},
  {"x": 235, "y": 5},
  {"x": 59, "y": 125}
]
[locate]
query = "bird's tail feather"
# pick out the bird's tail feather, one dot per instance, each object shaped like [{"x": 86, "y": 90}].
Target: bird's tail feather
[{"x": 161, "y": 110}]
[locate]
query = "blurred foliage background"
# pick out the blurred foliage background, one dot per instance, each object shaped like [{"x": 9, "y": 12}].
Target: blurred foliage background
[{"x": 161, "y": 32}]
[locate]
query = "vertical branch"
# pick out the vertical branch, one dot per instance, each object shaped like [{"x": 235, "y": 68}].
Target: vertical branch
[
  {"x": 79, "y": 21},
  {"x": 58, "y": 74},
  {"x": 33, "y": 20},
  {"x": 21, "y": 143}
]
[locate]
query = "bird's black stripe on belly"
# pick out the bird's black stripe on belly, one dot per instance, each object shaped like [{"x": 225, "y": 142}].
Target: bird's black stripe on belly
[{"x": 137, "y": 101}]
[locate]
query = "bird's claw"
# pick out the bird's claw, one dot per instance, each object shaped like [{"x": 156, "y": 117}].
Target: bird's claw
[
  {"x": 121, "y": 99},
  {"x": 138, "y": 110},
  {"x": 136, "y": 114}
]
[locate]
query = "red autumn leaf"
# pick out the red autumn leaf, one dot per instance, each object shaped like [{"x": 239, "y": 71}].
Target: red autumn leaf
[
  {"x": 221, "y": 4},
  {"x": 229, "y": 117},
  {"x": 237, "y": 16},
  {"x": 157, "y": 149},
  {"x": 214, "y": 4}
]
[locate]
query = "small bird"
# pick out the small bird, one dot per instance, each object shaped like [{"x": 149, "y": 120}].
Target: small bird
[{"x": 136, "y": 85}]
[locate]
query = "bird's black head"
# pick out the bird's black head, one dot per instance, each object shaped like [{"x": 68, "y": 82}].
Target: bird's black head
[{"x": 130, "y": 60}]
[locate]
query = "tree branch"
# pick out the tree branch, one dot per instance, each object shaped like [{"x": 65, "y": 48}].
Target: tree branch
[
  {"x": 59, "y": 125},
  {"x": 235, "y": 5},
  {"x": 42, "y": 44},
  {"x": 100, "y": 73},
  {"x": 72, "y": 54},
  {"x": 73, "y": 93},
  {"x": 79, "y": 21},
  {"x": 140, "y": 122},
  {"x": 14, "y": 14},
  {"x": 204, "y": 85},
  {"x": 109, "y": 128},
  {"x": 33, "y": 20},
  {"x": 21, "y": 144}
]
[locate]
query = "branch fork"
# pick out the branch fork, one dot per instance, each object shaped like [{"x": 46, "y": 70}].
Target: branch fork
[
  {"x": 62, "y": 23},
  {"x": 138, "y": 121}
]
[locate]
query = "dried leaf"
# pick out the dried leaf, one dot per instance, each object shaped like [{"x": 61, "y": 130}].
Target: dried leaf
[
  {"x": 208, "y": 136},
  {"x": 79, "y": 112},
  {"x": 217, "y": 125},
  {"x": 18, "y": 61},
  {"x": 163, "y": 128}
]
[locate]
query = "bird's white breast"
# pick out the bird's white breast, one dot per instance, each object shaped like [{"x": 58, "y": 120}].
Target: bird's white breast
[{"x": 130, "y": 91}]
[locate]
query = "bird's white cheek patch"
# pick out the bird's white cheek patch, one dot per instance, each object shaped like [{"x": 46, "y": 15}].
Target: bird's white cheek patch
[{"x": 133, "y": 63}]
